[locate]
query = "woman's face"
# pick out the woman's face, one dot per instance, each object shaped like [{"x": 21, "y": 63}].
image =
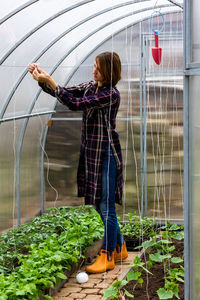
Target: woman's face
[{"x": 96, "y": 72}]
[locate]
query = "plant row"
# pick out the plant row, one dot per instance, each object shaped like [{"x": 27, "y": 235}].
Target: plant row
[
  {"x": 159, "y": 250},
  {"x": 35, "y": 255}
]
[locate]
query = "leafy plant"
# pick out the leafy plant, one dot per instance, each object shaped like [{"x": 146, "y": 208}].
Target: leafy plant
[
  {"x": 45, "y": 263},
  {"x": 17, "y": 241},
  {"x": 134, "y": 274},
  {"x": 160, "y": 249},
  {"x": 137, "y": 227}
]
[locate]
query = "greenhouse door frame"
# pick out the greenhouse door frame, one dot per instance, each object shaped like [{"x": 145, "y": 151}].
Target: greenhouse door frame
[{"x": 145, "y": 72}]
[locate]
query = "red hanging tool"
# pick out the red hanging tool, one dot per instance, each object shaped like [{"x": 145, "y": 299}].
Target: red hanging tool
[{"x": 157, "y": 51}]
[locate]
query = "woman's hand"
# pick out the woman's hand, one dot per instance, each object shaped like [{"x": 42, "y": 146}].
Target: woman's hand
[
  {"x": 41, "y": 76},
  {"x": 32, "y": 67},
  {"x": 38, "y": 74}
]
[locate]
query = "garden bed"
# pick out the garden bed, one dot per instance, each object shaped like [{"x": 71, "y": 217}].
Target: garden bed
[
  {"x": 88, "y": 256},
  {"x": 35, "y": 256},
  {"x": 158, "y": 273},
  {"x": 151, "y": 283}
]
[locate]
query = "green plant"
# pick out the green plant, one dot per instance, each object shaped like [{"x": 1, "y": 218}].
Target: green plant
[
  {"x": 45, "y": 262},
  {"x": 164, "y": 246},
  {"x": 171, "y": 287},
  {"x": 160, "y": 249},
  {"x": 137, "y": 227},
  {"x": 17, "y": 241},
  {"x": 134, "y": 274},
  {"x": 114, "y": 290}
]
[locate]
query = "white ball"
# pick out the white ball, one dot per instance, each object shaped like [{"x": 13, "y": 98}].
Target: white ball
[{"x": 82, "y": 277}]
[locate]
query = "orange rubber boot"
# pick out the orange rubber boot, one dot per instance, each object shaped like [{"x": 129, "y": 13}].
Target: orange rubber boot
[
  {"x": 120, "y": 252},
  {"x": 104, "y": 262}
]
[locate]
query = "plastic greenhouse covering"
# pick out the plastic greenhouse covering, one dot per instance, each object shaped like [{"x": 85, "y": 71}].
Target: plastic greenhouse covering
[
  {"x": 40, "y": 138},
  {"x": 158, "y": 119}
]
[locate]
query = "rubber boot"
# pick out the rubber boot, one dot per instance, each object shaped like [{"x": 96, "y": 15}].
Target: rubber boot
[
  {"x": 104, "y": 262},
  {"x": 120, "y": 252}
]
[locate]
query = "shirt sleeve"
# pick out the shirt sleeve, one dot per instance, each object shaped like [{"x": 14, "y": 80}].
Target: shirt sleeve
[
  {"x": 76, "y": 90},
  {"x": 47, "y": 88},
  {"x": 101, "y": 99}
]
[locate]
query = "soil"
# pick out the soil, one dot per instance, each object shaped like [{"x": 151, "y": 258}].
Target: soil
[{"x": 153, "y": 282}]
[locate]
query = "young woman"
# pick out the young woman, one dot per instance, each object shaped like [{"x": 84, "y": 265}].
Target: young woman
[{"x": 99, "y": 175}]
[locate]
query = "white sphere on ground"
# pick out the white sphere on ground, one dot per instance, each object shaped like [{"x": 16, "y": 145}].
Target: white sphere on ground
[{"x": 82, "y": 277}]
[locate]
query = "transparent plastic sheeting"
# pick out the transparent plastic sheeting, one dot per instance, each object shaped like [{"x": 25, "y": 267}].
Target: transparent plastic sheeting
[
  {"x": 33, "y": 39},
  {"x": 164, "y": 91},
  {"x": 63, "y": 37}
]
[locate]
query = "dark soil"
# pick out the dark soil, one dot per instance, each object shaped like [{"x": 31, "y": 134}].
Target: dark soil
[{"x": 153, "y": 282}]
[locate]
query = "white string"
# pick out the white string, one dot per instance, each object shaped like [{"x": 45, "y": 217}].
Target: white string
[
  {"x": 15, "y": 159},
  {"x": 48, "y": 164},
  {"x": 109, "y": 145}
]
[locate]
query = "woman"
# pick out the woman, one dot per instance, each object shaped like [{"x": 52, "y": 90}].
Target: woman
[{"x": 99, "y": 175}]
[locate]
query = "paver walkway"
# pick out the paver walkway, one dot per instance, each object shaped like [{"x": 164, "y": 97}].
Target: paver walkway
[{"x": 94, "y": 288}]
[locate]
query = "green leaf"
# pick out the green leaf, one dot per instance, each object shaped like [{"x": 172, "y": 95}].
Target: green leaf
[
  {"x": 146, "y": 244},
  {"x": 149, "y": 263},
  {"x": 61, "y": 275},
  {"x": 180, "y": 279},
  {"x": 178, "y": 235},
  {"x": 110, "y": 292},
  {"x": 21, "y": 292},
  {"x": 174, "y": 227},
  {"x": 140, "y": 280},
  {"x": 133, "y": 275},
  {"x": 3, "y": 297},
  {"x": 157, "y": 257},
  {"x": 176, "y": 260},
  {"x": 124, "y": 282},
  {"x": 164, "y": 294},
  {"x": 128, "y": 294},
  {"x": 119, "y": 283}
]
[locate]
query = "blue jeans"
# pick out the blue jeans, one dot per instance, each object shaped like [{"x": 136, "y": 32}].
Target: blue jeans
[{"x": 106, "y": 207}]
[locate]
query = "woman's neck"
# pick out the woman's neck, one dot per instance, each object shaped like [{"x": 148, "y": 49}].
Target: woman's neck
[{"x": 99, "y": 83}]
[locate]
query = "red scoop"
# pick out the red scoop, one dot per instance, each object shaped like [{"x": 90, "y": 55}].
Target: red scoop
[{"x": 156, "y": 51}]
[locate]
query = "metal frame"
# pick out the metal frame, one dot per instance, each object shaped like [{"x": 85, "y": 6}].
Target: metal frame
[
  {"x": 27, "y": 116},
  {"x": 58, "y": 14},
  {"x": 187, "y": 184},
  {"x": 13, "y": 90},
  {"x": 15, "y": 11},
  {"x": 145, "y": 124},
  {"x": 5, "y": 56},
  {"x": 141, "y": 116}
]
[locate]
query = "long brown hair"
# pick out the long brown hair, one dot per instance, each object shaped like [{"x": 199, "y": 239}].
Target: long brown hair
[{"x": 110, "y": 67}]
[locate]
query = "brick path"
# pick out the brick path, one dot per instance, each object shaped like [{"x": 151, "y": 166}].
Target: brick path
[{"x": 94, "y": 288}]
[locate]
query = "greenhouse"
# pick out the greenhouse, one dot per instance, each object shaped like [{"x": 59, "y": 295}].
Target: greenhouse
[{"x": 159, "y": 48}]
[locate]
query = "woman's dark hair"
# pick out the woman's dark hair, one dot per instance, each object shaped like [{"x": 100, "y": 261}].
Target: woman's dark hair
[{"x": 110, "y": 67}]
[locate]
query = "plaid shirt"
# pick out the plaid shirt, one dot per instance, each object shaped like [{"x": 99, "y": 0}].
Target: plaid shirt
[{"x": 98, "y": 131}]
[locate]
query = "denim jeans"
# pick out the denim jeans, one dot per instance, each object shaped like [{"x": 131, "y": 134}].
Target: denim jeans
[{"x": 106, "y": 207}]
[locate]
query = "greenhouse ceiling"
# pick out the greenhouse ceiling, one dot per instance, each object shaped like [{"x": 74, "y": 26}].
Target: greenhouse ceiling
[{"x": 58, "y": 34}]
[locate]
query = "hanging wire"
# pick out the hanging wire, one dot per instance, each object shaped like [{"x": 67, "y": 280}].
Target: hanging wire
[{"x": 176, "y": 3}]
